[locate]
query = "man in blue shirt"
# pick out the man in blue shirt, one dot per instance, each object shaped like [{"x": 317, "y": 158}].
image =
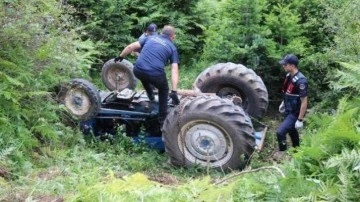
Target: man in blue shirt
[
  {"x": 294, "y": 105},
  {"x": 149, "y": 68}
]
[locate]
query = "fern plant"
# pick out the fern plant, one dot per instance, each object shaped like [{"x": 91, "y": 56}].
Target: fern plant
[
  {"x": 329, "y": 140},
  {"x": 348, "y": 78},
  {"x": 39, "y": 50},
  {"x": 344, "y": 185},
  {"x": 6, "y": 152}
]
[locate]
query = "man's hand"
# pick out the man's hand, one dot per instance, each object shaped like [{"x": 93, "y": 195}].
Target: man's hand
[
  {"x": 118, "y": 59},
  {"x": 173, "y": 95},
  {"x": 282, "y": 107},
  {"x": 135, "y": 53},
  {"x": 299, "y": 124}
]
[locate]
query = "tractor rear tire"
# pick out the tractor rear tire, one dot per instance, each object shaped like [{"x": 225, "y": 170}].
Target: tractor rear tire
[
  {"x": 118, "y": 75},
  {"x": 210, "y": 132},
  {"x": 226, "y": 79},
  {"x": 82, "y": 99}
]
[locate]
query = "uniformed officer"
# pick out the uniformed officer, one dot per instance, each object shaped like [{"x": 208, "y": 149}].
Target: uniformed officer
[
  {"x": 294, "y": 104},
  {"x": 149, "y": 68},
  {"x": 150, "y": 30}
]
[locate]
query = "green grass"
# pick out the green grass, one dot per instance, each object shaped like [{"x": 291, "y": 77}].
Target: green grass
[
  {"x": 123, "y": 171},
  {"x": 81, "y": 174},
  {"x": 75, "y": 173},
  {"x": 120, "y": 170}
]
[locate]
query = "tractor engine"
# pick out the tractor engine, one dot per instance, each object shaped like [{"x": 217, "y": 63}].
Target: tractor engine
[{"x": 127, "y": 112}]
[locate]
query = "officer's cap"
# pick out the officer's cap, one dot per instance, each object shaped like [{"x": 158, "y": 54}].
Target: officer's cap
[
  {"x": 152, "y": 27},
  {"x": 289, "y": 59}
]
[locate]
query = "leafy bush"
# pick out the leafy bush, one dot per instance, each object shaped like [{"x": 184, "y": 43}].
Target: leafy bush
[
  {"x": 332, "y": 135},
  {"x": 40, "y": 49}
]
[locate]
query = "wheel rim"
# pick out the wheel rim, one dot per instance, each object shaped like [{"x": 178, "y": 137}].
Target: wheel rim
[
  {"x": 77, "y": 101},
  {"x": 229, "y": 91},
  {"x": 118, "y": 77},
  {"x": 205, "y": 143}
]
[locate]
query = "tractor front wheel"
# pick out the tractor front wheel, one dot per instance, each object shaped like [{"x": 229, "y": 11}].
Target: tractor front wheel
[{"x": 82, "y": 99}]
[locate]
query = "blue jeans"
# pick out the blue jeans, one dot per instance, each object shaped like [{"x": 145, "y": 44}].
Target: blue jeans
[{"x": 288, "y": 126}]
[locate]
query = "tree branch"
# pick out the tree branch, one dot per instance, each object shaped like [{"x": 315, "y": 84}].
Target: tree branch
[{"x": 250, "y": 171}]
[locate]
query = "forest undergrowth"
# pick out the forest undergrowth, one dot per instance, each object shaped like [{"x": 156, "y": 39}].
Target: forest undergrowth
[
  {"x": 44, "y": 156},
  {"x": 121, "y": 170}
]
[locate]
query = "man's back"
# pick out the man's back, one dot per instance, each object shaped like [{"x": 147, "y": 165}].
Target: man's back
[{"x": 156, "y": 51}]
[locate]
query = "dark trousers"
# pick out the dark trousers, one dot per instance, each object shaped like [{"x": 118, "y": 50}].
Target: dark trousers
[
  {"x": 160, "y": 82},
  {"x": 288, "y": 126}
]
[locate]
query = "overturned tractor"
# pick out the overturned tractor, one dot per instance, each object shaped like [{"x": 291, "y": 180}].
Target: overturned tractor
[{"x": 213, "y": 126}]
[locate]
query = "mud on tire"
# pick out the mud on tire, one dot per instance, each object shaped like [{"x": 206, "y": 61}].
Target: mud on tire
[
  {"x": 81, "y": 99},
  {"x": 208, "y": 131},
  {"x": 119, "y": 75},
  {"x": 235, "y": 79}
]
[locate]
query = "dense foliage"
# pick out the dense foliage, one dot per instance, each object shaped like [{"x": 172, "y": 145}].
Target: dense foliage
[
  {"x": 43, "y": 43},
  {"x": 120, "y": 22},
  {"x": 254, "y": 33},
  {"x": 39, "y": 50}
]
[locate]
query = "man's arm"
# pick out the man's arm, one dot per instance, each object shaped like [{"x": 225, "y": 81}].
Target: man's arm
[
  {"x": 174, "y": 75},
  {"x": 130, "y": 48},
  {"x": 303, "y": 107}
]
